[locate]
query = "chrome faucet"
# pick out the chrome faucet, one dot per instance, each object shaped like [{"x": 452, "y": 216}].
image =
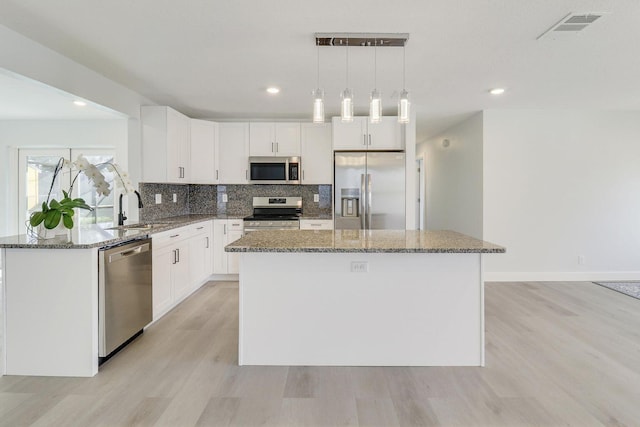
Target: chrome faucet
[{"x": 121, "y": 215}]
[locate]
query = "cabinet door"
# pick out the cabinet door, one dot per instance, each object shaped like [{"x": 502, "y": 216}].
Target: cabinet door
[
  {"x": 316, "y": 156},
  {"x": 349, "y": 136},
  {"x": 233, "y": 258},
  {"x": 219, "y": 242},
  {"x": 162, "y": 263},
  {"x": 287, "y": 139},
  {"x": 204, "y": 162},
  {"x": 385, "y": 135},
  {"x": 233, "y": 150},
  {"x": 197, "y": 261},
  {"x": 262, "y": 139},
  {"x": 180, "y": 274},
  {"x": 177, "y": 146}
]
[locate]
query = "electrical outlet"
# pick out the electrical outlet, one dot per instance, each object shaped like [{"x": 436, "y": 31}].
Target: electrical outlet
[
  {"x": 581, "y": 260},
  {"x": 225, "y": 198},
  {"x": 158, "y": 199},
  {"x": 175, "y": 197},
  {"x": 359, "y": 267},
  {"x": 316, "y": 198}
]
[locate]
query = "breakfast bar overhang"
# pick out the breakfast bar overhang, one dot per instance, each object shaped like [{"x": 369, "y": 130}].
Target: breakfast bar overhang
[{"x": 361, "y": 298}]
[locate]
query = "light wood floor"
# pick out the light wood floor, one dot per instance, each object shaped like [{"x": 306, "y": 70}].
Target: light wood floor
[{"x": 558, "y": 354}]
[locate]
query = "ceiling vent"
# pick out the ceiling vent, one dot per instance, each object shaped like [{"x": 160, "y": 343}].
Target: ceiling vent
[{"x": 573, "y": 23}]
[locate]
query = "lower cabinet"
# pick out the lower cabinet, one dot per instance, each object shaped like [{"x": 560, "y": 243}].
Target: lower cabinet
[
  {"x": 182, "y": 261},
  {"x": 226, "y": 231},
  {"x": 201, "y": 253}
]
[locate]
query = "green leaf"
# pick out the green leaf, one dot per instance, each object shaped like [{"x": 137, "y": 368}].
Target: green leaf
[
  {"x": 54, "y": 204},
  {"x": 67, "y": 221},
  {"x": 44, "y": 207},
  {"x": 52, "y": 219},
  {"x": 66, "y": 195},
  {"x": 36, "y": 218}
]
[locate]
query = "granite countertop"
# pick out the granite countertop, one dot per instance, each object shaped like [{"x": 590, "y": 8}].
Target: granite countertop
[
  {"x": 338, "y": 241},
  {"x": 93, "y": 236}
]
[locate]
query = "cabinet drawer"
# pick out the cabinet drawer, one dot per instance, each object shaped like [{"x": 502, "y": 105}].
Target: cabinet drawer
[
  {"x": 235, "y": 224},
  {"x": 316, "y": 224},
  {"x": 200, "y": 228},
  {"x": 170, "y": 236}
]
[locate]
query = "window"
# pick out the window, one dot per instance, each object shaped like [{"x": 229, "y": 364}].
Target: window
[{"x": 35, "y": 172}]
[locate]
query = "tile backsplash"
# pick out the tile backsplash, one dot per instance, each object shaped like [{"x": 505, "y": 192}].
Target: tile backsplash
[{"x": 208, "y": 199}]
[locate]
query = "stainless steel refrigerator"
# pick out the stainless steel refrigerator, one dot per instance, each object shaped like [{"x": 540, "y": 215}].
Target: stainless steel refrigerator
[{"x": 369, "y": 189}]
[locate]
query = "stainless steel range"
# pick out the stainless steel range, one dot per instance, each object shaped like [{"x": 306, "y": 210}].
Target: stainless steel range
[{"x": 274, "y": 213}]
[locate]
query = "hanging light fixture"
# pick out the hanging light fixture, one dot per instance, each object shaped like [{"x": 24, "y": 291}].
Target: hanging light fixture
[
  {"x": 346, "y": 110},
  {"x": 375, "y": 101},
  {"x": 318, "y": 96},
  {"x": 403, "y": 103}
]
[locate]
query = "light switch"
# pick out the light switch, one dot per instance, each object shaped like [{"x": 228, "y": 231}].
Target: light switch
[
  {"x": 225, "y": 199},
  {"x": 175, "y": 197},
  {"x": 158, "y": 199},
  {"x": 316, "y": 198}
]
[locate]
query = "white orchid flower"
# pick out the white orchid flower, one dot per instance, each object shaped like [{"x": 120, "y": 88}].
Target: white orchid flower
[{"x": 82, "y": 163}]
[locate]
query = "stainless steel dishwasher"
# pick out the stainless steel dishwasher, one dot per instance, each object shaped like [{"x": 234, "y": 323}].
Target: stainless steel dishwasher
[{"x": 124, "y": 294}]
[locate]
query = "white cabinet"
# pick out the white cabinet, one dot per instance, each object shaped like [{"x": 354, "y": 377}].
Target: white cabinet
[
  {"x": 171, "y": 269},
  {"x": 274, "y": 139},
  {"x": 165, "y": 145},
  {"x": 201, "y": 252},
  {"x": 316, "y": 224},
  {"x": 316, "y": 156},
  {"x": 233, "y": 150},
  {"x": 226, "y": 231},
  {"x": 362, "y": 135},
  {"x": 204, "y": 152},
  {"x": 182, "y": 262}
]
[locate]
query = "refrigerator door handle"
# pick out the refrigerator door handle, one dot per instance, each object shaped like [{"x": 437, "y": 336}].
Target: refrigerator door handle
[
  {"x": 369, "y": 201},
  {"x": 363, "y": 198}
]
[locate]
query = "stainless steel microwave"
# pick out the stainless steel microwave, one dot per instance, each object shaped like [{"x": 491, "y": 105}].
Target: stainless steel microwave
[{"x": 274, "y": 170}]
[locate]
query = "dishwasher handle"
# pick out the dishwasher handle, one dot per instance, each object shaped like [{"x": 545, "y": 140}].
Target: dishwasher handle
[{"x": 127, "y": 253}]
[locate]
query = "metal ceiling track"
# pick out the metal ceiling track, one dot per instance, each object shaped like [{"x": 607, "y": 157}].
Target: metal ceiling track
[{"x": 362, "y": 39}]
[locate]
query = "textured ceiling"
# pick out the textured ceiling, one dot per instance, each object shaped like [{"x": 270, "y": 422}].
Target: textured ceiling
[{"x": 213, "y": 59}]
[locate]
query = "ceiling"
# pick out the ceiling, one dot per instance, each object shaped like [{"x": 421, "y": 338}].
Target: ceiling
[
  {"x": 214, "y": 59},
  {"x": 22, "y": 98}
]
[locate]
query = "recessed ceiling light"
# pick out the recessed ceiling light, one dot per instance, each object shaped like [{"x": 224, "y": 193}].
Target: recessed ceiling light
[
  {"x": 80, "y": 103},
  {"x": 273, "y": 90},
  {"x": 497, "y": 91}
]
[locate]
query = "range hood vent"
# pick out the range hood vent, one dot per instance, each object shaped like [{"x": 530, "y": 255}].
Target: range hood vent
[{"x": 573, "y": 23}]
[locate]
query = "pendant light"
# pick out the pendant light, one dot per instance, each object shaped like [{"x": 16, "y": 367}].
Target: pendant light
[
  {"x": 403, "y": 103},
  {"x": 375, "y": 102},
  {"x": 346, "y": 110},
  {"x": 318, "y": 96}
]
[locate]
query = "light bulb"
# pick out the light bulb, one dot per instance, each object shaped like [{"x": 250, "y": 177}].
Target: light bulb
[
  {"x": 403, "y": 107},
  {"x": 346, "y": 111},
  {"x": 318, "y": 106},
  {"x": 375, "y": 107}
]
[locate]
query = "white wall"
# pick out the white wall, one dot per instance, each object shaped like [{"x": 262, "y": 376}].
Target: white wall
[
  {"x": 51, "y": 134},
  {"x": 558, "y": 184},
  {"x": 454, "y": 178}
]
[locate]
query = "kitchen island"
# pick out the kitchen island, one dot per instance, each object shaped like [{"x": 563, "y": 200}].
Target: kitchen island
[
  {"x": 361, "y": 298},
  {"x": 49, "y": 297}
]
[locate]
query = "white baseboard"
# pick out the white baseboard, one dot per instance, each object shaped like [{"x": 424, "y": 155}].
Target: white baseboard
[
  {"x": 224, "y": 277},
  {"x": 559, "y": 276}
]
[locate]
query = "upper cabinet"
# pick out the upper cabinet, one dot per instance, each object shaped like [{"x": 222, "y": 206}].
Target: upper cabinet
[
  {"x": 316, "y": 153},
  {"x": 274, "y": 139},
  {"x": 362, "y": 135},
  {"x": 233, "y": 150},
  {"x": 165, "y": 145},
  {"x": 204, "y": 152}
]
